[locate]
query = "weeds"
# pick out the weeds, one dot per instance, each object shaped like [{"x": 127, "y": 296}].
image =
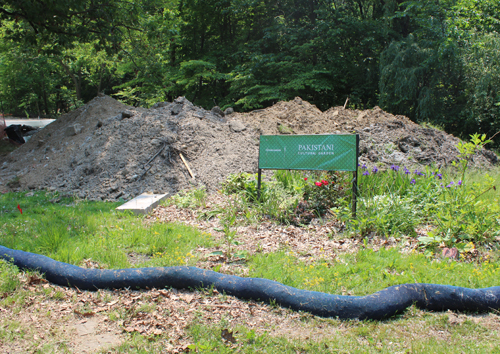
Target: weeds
[
  {"x": 398, "y": 200},
  {"x": 192, "y": 198}
]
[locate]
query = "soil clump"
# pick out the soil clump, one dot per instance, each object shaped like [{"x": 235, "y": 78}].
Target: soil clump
[{"x": 106, "y": 150}]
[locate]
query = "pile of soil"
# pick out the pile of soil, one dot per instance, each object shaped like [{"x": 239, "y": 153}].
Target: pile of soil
[
  {"x": 384, "y": 138},
  {"x": 106, "y": 150}
]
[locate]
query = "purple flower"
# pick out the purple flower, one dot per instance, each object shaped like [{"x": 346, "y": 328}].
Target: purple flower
[
  {"x": 417, "y": 172},
  {"x": 413, "y": 181},
  {"x": 366, "y": 173},
  {"x": 375, "y": 170},
  {"x": 363, "y": 166},
  {"x": 394, "y": 168},
  {"x": 449, "y": 185},
  {"x": 440, "y": 175},
  {"x": 459, "y": 182},
  {"x": 407, "y": 171}
]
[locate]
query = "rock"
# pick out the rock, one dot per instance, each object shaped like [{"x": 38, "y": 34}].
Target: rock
[
  {"x": 181, "y": 100},
  {"x": 127, "y": 114},
  {"x": 228, "y": 111},
  {"x": 176, "y": 109},
  {"x": 156, "y": 142},
  {"x": 73, "y": 129},
  {"x": 159, "y": 105},
  {"x": 407, "y": 142},
  {"x": 237, "y": 126},
  {"x": 217, "y": 110}
]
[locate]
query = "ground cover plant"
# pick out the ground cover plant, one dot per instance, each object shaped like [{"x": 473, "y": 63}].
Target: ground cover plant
[{"x": 298, "y": 232}]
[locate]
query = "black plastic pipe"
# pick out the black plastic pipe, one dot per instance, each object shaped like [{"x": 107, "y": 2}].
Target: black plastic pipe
[{"x": 382, "y": 304}]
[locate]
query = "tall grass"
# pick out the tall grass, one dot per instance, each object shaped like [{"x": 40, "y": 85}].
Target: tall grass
[{"x": 72, "y": 230}]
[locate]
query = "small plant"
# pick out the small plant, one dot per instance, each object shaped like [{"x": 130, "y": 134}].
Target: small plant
[
  {"x": 461, "y": 216},
  {"x": 192, "y": 198},
  {"x": 319, "y": 196},
  {"x": 228, "y": 222},
  {"x": 245, "y": 184},
  {"x": 468, "y": 150}
]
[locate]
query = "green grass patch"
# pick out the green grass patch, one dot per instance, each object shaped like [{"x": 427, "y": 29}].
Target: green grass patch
[
  {"x": 9, "y": 280},
  {"x": 70, "y": 231},
  {"x": 367, "y": 271}
]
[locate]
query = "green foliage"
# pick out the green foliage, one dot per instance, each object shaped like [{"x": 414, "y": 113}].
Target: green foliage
[
  {"x": 325, "y": 193},
  {"x": 395, "y": 201},
  {"x": 9, "y": 280},
  {"x": 368, "y": 271},
  {"x": 60, "y": 23},
  {"x": 480, "y": 60},
  {"x": 246, "y": 184},
  {"x": 435, "y": 62},
  {"x": 468, "y": 149},
  {"x": 75, "y": 230},
  {"x": 191, "y": 198},
  {"x": 290, "y": 197},
  {"x": 461, "y": 216}
]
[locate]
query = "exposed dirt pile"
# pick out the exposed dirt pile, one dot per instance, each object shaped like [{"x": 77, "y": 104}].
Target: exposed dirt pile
[
  {"x": 106, "y": 150},
  {"x": 383, "y": 137}
]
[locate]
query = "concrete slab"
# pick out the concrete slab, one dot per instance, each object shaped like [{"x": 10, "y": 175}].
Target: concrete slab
[{"x": 143, "y": 203}]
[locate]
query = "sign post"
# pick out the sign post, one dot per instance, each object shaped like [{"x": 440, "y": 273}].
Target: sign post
[{"x": 310, "y": 152}]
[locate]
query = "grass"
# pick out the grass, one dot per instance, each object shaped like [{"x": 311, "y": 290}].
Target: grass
[
  {"x": 412, "y": 335},
  {"x": 367, "y": 271},
  {"x": 74, "y": 230}
]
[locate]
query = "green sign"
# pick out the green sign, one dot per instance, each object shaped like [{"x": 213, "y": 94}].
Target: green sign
[{"x": 309, "y": 152}]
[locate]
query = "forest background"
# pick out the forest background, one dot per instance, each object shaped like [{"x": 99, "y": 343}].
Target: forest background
[{"x": 436, "y": 61}]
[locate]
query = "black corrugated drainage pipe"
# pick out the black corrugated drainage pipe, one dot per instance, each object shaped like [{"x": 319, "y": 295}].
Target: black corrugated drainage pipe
[{"x": 379, "y": 305}]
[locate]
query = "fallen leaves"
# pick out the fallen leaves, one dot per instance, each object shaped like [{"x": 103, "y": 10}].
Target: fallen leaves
[{"x": 227, "y": 335}]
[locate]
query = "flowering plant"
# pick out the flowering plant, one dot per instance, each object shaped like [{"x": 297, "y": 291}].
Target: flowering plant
[{"x": 319, "y": 195}]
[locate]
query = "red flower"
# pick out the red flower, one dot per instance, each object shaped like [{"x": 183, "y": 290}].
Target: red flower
[
  {"x": 319, "y": 184},
  {"x": 324, "y": 182},
  {"x": 19, "y": 207},
  {"x": 305, "y": 178}
]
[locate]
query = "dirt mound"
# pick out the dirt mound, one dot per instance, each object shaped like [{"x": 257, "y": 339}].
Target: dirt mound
[
  {"x": 106, "y": 150},
  {"x": 384, "y": 138}
]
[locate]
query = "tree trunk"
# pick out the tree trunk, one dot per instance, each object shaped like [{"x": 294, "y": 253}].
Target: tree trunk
[{"x": 74, "y": 78}]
